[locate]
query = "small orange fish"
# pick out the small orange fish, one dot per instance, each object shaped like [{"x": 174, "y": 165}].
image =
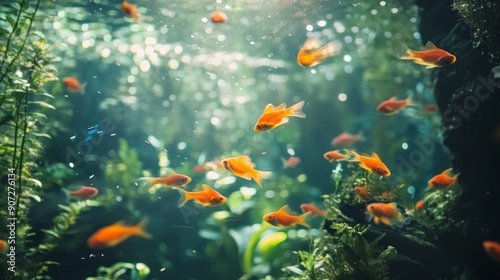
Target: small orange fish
[
  {"x": 242, "y": 166},
  {"x": 83, "y": 193},
  {"x": 73, "y": 85},
  {"x": 309, "y": 207},
  {"x": 334, "y": 155},
  {"x": 283, "y": 219},
  {"x": 174, "y": 180},
  {"x": 373, "y": 164},
  {"x": 3, "y": 245},
  {"x": 218, "y": 17},
  {"x": 387, "y": 195},
  {"x": 312, "y": 53},
  {"x": 345, "y": 139},
  {"x": 387, "y": 213},
  {"x": 443, "y": 180},
  {"x": 276, "y": 116},
  {"x": 199, "y": 168},
  {"x": 115, "y": 234},
  {"x": 419, "y": 205},
  {"x": 430, "y": 57},
  {"x": 206, "y": 197},
  {"x": 392, "y": 106},
  {"x": 492, "y": 248},
  {"x": 429, "y": 108},
  {"x": 362, "y": 192},
  {"x": 130, "y": 11},
  {"x": 290, "y": 162}
]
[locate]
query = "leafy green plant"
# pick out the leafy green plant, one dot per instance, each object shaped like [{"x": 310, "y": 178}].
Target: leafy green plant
[{"x": 138, "y": 271}]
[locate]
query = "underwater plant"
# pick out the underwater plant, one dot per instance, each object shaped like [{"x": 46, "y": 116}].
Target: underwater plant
[{"x": 122, "y": 270}]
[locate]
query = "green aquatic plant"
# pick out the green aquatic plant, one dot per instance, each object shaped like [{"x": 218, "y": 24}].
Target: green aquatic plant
[
  {"x": 122, "y": 270},
  {"x": 50, "y": 242},
  {"x": 248, "y": 256},
  {"x": 346, "y": 254}
]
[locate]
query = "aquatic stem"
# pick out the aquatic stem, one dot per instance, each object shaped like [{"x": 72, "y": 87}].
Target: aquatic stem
[{"x": 252, "y": 245}]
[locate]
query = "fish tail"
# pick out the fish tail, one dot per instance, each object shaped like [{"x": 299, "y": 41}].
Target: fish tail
[
  {"x": 410, "y": 56},
  {"x": 330, "y": 49},
  {"x": 261, "y": 175},
  {"x": 283, "y": 160},
  {"x": 82, "y": 90},
  {"x": 353, "y": 156},
  {"x": 409, "y": 101},
  {"x": 296, "y": 110},
  {"x": 140, "y": 229},
  {"x": 150, "y": 181},
  {"x": 184, "y": 197},
  {"x": 302, "y": 219}
]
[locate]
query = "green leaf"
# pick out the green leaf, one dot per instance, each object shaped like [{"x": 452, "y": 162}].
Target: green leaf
[
  {"x": 35, "y": 181},
  {"x": 43, "y": 104},
  {"x": 295, "y": 270},
  {"x": 50, "y": 232},
  {"x": 41, "y": 135}
]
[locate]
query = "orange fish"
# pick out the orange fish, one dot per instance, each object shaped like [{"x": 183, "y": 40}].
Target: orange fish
[
  {"x": 419, "y": 205},
  {"x": 218, "y": 17},
  {"x": 430, "y": 57},
  {"x": 130, "y": 11},
  {"x": 362, "y": 192},
  {"x": 115, "y": 234},
  {"x": 242, "y": 166},
  {"x": 199, "y": 168},
  {"x": 174, "y": 180},
  {"x": 290, "y": 162},
  {"x": 392, "y": 106},
  {"x": 83, "y": 193},
  {"x": 309, "y": 207},
  {"x": 283, "y": 219},
  {"x": 206, "y": 197},
  {"x": 346, "y": 139},
  {"x": 312, "y": 53},
  {"x": 387, "y": 213},
  {"x": 73, "y": 85},
  {"x": 334, "y": 155},
  {"x": 373, "y": 164},
  {"x": 430, "y": 108},
  {"x": 3, "y": 245},
  {"x": 492, "y": 248},
  {"x": 443, "y": 180},
  {"x": 276, "y": 116}
]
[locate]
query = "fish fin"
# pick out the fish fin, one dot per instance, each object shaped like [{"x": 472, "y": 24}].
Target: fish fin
[
  {"x": 84, "y": 85},
  {"x": 447, "y": 171},
  {"x": 429, "y": 66},
  {"x": 283, "y": 121},
  {"x": 302, "y": 219},
  {"x": 247, "y": 160},
  {"x": 284, "y": 209},
  {"x": 150, "y": 181},
  {"x": 269, "y": 108},
  {"x": 386, "y": 221},
  {"x": 183, "y": 198},
  {"x": 407, "y": 57},
  {"x": 353, "y": 154},
  {"x": 140, "y": 229},
  {"x": 282, "y": 106},
  {"x": 376, "y": 220},
  {"x": 206, "y": 187},
  {"x": 375, "y": 155},
  {"x": 409, "y": 101},
  {"x": 311, "y": 44},
  {"x": 261, "y": 175},
  {"x": 283, "y": 160},
  {"x": 330, "y": 49},
  {"x": 369, "y": 216},
  {"x": 296, "y": 110},
  {"x": 430, "y": 45}
]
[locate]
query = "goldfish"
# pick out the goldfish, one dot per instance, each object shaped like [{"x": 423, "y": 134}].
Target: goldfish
[
  {"x": 392, "y": 105},
  {"x": 3, "y": 245},
  {"x": 431, "y": 57},
  {"x": 419, "y": 206},
  {"x": 492, "y": 248},
  {"x": 362, "y": 192},
  {"x": 174, "y": 180},
  {"x": 312, "y": 53},
  {"x": 430, "y": 108},
  {"x": 373, "y": 164},
  {"x": 112, "y": 235},
  {"x": 242, "y": 166},
  {"x": 309, "y": 207},
  {"x": 346, "y": 139},
  {"x": 276, "y": 116},
  {"x": 83, "y": 193},
  {"x": 283, "y": 219},
  {"x": 218, "y": 17},
  {"x": 199, "y": 168},
  {"x": 387, "y": 213},
  {"x": 206, "y": 197},
  {"x": 73, "y": 85},
  {"x": 290, "y": 162},
  {"x": 334, "y": 155},
  {"x": 443, "y": 180},
  {"x": 130, "y": 11}
]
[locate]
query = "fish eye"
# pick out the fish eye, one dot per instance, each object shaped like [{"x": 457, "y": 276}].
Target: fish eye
[{"x": 258, "y": 126}]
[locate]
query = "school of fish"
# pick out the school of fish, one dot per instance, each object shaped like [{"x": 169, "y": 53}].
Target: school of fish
[{"x": 312, "y": 53}]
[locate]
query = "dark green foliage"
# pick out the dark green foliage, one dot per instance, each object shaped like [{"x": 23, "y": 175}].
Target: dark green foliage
[{"x": 122, "y": 270}]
